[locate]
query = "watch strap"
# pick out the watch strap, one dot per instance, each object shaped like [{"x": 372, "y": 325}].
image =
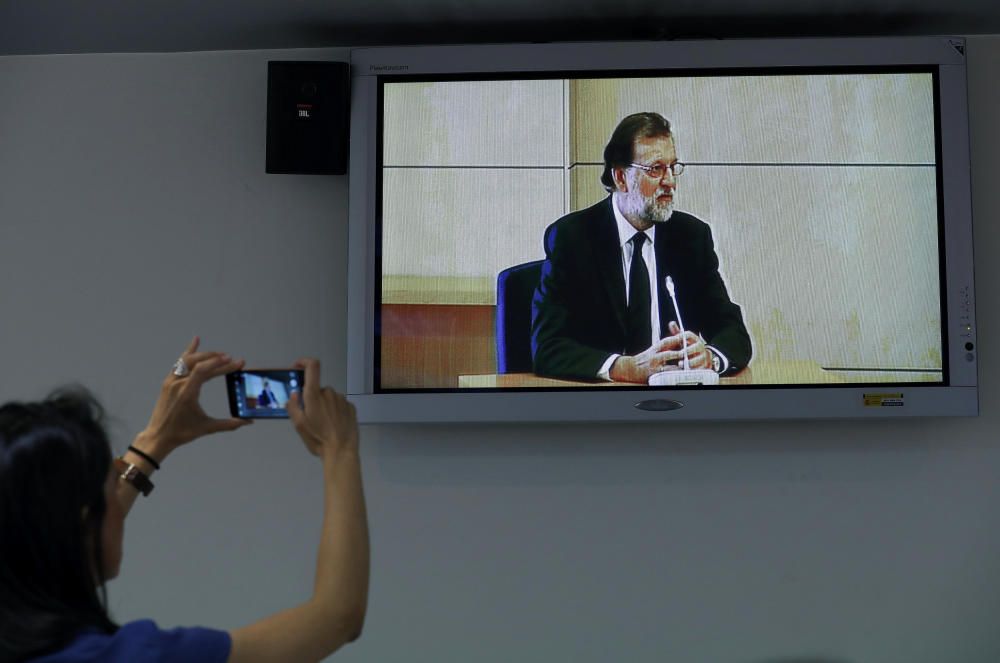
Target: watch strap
[{"x": 133, "y": 475}]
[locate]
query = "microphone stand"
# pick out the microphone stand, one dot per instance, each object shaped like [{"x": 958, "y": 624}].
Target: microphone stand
[{"x": 685, "y": 375}]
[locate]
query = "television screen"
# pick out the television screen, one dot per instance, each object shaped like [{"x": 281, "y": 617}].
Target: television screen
[{"x": 792, "y": 218}]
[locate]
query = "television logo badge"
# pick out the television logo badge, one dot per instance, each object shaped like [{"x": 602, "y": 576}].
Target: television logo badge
[{"x": 884, "y": 400}]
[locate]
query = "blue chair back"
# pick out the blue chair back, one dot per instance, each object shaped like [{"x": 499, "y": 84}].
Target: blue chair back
[{"x": 515, "y": 289}]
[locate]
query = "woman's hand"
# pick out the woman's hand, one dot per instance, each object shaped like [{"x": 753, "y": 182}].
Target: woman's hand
[
  {"x": 178, "y": 417},
  {"x": 335, "y": 614},
  {"x": 324, "y": 419}
]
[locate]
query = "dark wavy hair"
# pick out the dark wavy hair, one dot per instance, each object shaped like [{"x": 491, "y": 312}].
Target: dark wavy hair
[
  {"x": 619, "y": 151},
  {"x": 54, "y": 460}
]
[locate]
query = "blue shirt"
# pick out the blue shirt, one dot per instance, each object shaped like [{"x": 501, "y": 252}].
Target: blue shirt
[{"x": 142, "y": 642}]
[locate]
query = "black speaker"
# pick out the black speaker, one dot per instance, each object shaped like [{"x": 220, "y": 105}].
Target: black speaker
[{"x": 307, "y": 117}]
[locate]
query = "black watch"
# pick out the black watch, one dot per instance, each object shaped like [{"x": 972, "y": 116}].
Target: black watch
[{"x": 133, "y": 475}]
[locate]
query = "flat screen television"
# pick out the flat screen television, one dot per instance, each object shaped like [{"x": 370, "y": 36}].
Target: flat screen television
[{"x": 805, "y": 208}]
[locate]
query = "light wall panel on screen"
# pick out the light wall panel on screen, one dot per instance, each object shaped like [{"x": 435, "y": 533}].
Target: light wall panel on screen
[
  {"x": 832, "y": 119},
  {"x": 488, "y": 123},
  {"x": 449, "y": 231}
]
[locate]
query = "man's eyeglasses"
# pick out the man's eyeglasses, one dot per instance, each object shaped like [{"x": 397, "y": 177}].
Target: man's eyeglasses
[{"x": 658, "y": 170}]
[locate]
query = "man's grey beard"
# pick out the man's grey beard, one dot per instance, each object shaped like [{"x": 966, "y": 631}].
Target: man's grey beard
[{"x": 647, "y": 209}]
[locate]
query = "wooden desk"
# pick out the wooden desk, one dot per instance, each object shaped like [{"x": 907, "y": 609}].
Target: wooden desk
[
  {"x": 512, "y": 380},
  {"x": 783, "y": 372}
]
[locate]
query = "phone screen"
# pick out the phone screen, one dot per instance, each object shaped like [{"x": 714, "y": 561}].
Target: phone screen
[{"x": 262, "y": 393}]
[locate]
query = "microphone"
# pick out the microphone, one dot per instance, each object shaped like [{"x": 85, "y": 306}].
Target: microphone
[
  {"x": 686, "y": 375},
  {"x": 680, "y": 323}
]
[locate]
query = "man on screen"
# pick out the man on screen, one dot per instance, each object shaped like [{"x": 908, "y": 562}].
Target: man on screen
[
  {"x": 602, "y": 309},
  {"x": 267, "y": 397}
]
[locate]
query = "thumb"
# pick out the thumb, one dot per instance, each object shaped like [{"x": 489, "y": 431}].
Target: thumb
[
  {"x": 294, "y": 407},
  {"x": 674, "y": 328}
]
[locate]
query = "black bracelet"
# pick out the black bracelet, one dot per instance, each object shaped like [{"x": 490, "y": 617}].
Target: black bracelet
[{"x": 145, "y": 455}]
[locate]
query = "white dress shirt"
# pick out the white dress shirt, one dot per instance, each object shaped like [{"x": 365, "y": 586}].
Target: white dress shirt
[{"x": 625, "y": 234}]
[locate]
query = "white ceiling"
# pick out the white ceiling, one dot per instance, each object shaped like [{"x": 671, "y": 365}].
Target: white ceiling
[{"x": 103, "y": 26}]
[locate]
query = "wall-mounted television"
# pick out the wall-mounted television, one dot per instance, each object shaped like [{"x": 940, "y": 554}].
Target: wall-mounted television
[{"x": 804, "y": 209}]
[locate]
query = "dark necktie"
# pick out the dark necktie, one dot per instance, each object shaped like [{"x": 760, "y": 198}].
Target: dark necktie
[{"x": 639, "y": 332}]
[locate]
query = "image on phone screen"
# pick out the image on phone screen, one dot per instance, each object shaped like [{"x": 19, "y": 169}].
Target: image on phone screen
[{"x": 262, "y": 393}]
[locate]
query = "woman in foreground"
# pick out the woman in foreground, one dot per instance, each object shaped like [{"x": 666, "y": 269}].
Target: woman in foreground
[{"x": 63, "y": 501}]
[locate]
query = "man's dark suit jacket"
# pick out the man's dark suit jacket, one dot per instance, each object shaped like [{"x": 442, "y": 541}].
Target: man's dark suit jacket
[
  {"x": 266, "y": 398},
  {"x": 578, "y": 311}
]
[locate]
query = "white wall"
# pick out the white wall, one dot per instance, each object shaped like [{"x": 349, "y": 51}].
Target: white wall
[{"x": 133, "y": 195}]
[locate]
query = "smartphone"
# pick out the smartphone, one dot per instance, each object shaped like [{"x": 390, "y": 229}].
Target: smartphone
[{"x": 262, "y": 393}]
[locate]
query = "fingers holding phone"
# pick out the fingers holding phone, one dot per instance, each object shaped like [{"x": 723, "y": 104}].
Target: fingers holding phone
[
  {"x": 177, "y": 416},
  {"x": 324, "y": 419}
]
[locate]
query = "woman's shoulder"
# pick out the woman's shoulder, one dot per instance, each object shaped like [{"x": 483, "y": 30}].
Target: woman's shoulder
[{"x": 143, "y": 641}]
